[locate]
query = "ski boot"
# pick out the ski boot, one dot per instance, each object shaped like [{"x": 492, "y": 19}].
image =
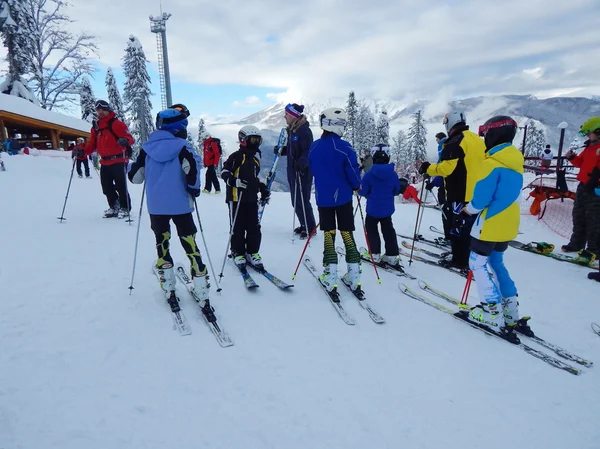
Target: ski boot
[
  {"x": 376, "y": 257},
  {"x": 239, "y": 261},
  {"x": 201, "y": 287},
  {"x": 329, "y": 277},
  {"x": 205, "y": 191},
  {"x": 352, "y": 277},
  {"x": 510, "y": 310},
  {"x": 586, "y": 257},
  {"x": 111, "y": 212},
  {"x": 394, "y": 261},
  {"x": 488, "y": 315},
  {"x": 542, "y": 247},
  {"x": 255, "y": 260},
  {"x": 568, "y": 248},
  {"x": 166, "y": 275},
  {"x": 123, "y": 214}
]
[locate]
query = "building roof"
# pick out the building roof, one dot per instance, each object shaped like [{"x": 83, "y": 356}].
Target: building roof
[{"x": 11, "y": 106}]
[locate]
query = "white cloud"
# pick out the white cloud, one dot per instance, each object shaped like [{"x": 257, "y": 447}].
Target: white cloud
[
  {"x": 403, "y": 49},
  {"x": 248, "y": 101}
]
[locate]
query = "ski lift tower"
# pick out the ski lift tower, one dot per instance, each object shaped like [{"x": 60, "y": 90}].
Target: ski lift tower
[{"x": 158, "y": 25}]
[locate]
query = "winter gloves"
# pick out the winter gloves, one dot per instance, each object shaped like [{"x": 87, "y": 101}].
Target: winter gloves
[
  {"x": 236, "y": 182},
  {"x": 424, "y": 167},
  {"x": 122, "y": 141}
]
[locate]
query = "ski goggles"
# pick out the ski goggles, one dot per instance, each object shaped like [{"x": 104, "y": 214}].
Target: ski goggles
[
  {"x": 333, "y": 122},
  {"x": 253, "y": 140},
  {"x": 181, "y": 108},
  {"x": 484, "y": 129},
  {"x": 585, "y": 132}
]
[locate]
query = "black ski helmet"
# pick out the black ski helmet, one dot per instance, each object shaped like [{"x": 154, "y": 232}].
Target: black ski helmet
[
  {"x": 497, "y": 130},
  {"x": 380, "y": 154}
]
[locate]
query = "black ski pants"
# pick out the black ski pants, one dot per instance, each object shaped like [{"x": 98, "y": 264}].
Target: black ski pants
[
  {"x": 586, "y": 220},
  {"x": 246, "y": 236},
  {"x": 211, "y": 179},
  {"x": 186, "y": 230},
  {"x": 389, "y": 235},
  {"x": 86, "y": 165},
  {"x": 114, "y": 185},
  {"x": 300, "y": 189},
  {"x": 460, "y": 235}
]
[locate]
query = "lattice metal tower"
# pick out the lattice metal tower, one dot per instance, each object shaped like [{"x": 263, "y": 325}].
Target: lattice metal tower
[{"x": 158, "y": 25}]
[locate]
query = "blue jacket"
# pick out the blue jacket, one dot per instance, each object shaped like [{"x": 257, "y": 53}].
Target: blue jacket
[
  {"x": 171, "y": 170},
  {"x": 335, "y": 168},
  {"x": 300, "y": 138},
  {"x": 380, "y": 185},
  {"x": 441, "y": 148}
]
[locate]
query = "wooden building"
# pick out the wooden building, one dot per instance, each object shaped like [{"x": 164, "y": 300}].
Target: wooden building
[{"x": 38, "y": 127}]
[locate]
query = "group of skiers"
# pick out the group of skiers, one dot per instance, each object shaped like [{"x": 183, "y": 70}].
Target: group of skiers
[{"x": 482, "y": 178}]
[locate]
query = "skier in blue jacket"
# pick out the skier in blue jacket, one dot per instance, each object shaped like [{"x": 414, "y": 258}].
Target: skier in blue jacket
[
  {"x": 171, "y": 170},
  {"x": 380, "y": 185},
  {"x": 337, "y": 175}
]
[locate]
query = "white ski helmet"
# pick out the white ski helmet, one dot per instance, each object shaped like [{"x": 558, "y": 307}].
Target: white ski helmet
[
  {"x": 333, "y": 120},
  {"x": 452, "y": 118},
  {"x": 248, "y": 131}
]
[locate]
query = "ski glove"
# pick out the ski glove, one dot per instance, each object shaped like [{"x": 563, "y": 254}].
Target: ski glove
[
  {"x": 424, "y": 166},
  {"x": 300, "y": 168},
  {"x": 236, "y": 182},
  {"x": 122, "y": 141},
  {"x": 275, "y": 149},
  {"x": 193, "y": 191}
]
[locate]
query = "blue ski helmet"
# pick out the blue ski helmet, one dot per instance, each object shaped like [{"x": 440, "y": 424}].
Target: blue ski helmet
[{"x": 171, "y": 120}]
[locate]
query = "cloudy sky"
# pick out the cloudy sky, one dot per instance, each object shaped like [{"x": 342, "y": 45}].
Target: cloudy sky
[{"x": 232, "y": 57}]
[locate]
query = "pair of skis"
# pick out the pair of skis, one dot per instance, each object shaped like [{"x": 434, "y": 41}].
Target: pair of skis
[
  {"x": 462, "y": 315},
  {"x": 251, "y": 284},
  {"x": 179, "y": 318},
  {"x": 536, "y": 248},
  {"x": 273, "y": 171},
  {"x": 335, "y": 297}
]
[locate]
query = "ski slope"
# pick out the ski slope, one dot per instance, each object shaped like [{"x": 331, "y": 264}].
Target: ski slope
[{"x": 84, "y": 364}]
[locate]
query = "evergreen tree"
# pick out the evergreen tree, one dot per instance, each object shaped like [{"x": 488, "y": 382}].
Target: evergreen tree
[
  {"x": 365, "y": 131},
  {"x": 114, "y": 96},
  {"x": 417, "y": 138},
  {"x": 201, "y": 132},
  {"x": 87, "y": 101},
  {"x": 383, "y": 129},
  {"x": 136, "y": 95},
  {"x": 352, "y": 112},
  {"x": 15, "y": 24},
  {"x": 535, "y": 142},
  {"x": 190, "y": 140},
  {"x": 400, "y": 153}
]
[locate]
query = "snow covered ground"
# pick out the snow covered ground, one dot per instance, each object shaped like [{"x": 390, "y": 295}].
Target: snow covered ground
[{"x": 84, "y": 364}]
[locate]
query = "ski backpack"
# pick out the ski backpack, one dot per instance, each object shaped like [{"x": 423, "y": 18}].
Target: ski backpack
[
  {"x": 218, "y": 145},
  {"x": 110, "y": 129}
]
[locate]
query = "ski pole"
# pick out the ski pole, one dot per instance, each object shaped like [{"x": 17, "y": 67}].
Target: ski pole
[
  {"x": 313, "y": 232},
  {"x": 230, "y": 234},
  {"x": 465, "y": 296},
  {"x": 137, "y": 237},
  {"x": 128, "y": 198},
  {"x": 62, "y": 215},
  {"x": 294, "y": 217},
  {"x": 367, "y": 239},
  {"x": 205, "y": 246},
  {"x": 417, "y": 224}
]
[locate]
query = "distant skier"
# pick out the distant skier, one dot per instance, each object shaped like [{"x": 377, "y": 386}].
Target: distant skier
[
  {"x": 240, "y": 173},
  {"x": 438, "y": 181},
  {"x": 547, "y": 157},
  {"x": 586, "y": 210},
  {"x": 78, "y": 152},
  {"x": 212, "y": 155},
  {"x": 171, "y": 169},
  {"x": 496, "y": 203},
  {"x": 112, "y": 140},
  {"x": 380, "y": 185},
  {"x": 299, "y": 174},
  {"x": 366, "y": 162},
  {"x": 337, "y": 175},
  {"x": 459, "y": 163}
]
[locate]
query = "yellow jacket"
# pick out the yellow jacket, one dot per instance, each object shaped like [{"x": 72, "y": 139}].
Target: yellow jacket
[
  {"x": 496, "y": 195},
  {"x": 461, "y": 156}
]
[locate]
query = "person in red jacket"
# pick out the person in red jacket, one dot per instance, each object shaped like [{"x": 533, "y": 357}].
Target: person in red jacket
[
  {"x": 112, "y": 140},
  {"x": 78, "y": 152},
  {"x": 212, "y": 155},
  {"x": 586, "y": 210}
]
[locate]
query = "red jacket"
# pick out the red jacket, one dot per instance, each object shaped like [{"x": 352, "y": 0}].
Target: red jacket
[
  {"x": 586, "y": 161},
  {"x": 79, "y": 152},
  {"x": 105, "y": 142},
  {"x": 212, "y": 155}
]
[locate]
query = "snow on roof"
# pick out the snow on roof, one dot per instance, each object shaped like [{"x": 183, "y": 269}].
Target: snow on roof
[{"x": 20, "y": 106}]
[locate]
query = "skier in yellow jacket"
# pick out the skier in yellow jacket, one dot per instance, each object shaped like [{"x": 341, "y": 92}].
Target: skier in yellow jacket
[
  {"x": 462, "y": 153},
  {"x": 495, "y": 203}
]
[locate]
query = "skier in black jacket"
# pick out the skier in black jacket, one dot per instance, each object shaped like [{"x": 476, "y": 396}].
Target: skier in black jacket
[
  {"x": 300, "y": 177},
  {"x": 240, "y": 173}
]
